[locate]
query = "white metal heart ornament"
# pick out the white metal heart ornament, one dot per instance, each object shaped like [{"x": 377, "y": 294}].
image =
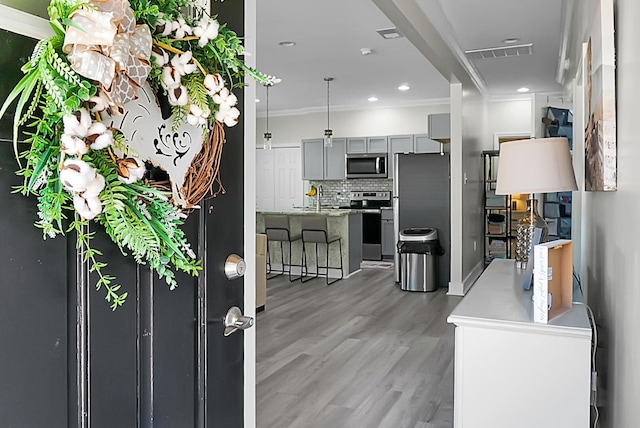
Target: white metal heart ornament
[{"x": 152, "y": 139}]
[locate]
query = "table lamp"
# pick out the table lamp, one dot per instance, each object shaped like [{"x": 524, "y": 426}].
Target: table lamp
[{"x": 537, "y": 165}]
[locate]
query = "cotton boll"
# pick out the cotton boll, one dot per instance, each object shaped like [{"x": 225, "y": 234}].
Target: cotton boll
[
  {"x": 76, "y": 124},
  {"x": 206, "y": 30},
  {"x": 94, "y": 187},
  {"x": 72, "y": 145},
  {"x": 213, "y": 83},
  {"x": 88, "y": 207},
  {"x": 178, "y": 96},
  {"x": 182, "y": 29},
  {"x": 76, "y": 175},
  {"x": 170, "y": 77},
  {"x": 130, "y": 170},
  {"x": 98, "y": 103},
  {"x": 160, "y": 56}
]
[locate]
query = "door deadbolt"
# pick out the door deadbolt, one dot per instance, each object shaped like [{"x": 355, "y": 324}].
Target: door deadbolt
[
  {"x": 234, "y": 320},
  {"x": 234, "y": 266}
]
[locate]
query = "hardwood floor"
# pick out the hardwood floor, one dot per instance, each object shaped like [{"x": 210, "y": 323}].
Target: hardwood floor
[{"x": 360, "y": 353}]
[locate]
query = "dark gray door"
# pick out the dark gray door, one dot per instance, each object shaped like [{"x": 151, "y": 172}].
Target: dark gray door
[{"x": 161, "y": 360}]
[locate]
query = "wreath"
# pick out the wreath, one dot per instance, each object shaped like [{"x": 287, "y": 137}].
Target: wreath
[{"x": 122, "y": 90}]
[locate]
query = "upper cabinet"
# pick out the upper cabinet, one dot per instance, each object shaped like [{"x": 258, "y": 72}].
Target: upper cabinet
[
  {"x": 367, "y": 145},
  {"x": 313, "y": 159},
  {"x": 323, "y": 163},
  {"x": 334, "y": 160},
  {"x": 424, "y": 144},
  {"x": 440, "y": 127},
  {"x": 398, "y": 144}
]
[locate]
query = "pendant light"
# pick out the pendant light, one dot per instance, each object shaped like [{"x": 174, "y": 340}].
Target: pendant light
[
  {"x": 328, "y": 132},
  {"x": 267, "y": 135}
]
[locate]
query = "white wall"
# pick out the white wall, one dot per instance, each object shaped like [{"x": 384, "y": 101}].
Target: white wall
[
  {"x": 290, "y": 130},
  {"x": 507, "y": 117},
  {"x": 611, "y": 263},
  {"x": 475, "y": 116}
]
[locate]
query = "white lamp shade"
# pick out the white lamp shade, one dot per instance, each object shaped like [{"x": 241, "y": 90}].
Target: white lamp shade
[{"x": 539, "y": 165}]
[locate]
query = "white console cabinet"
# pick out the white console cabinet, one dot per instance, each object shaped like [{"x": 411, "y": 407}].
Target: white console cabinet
[{"x": 511, "y": 372}]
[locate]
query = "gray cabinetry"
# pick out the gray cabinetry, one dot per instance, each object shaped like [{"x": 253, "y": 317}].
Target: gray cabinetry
[
  {"x": 439, "y": 126},
  {"x": 424, "y": 144},
  {"x": 388, "y": 235},
  {"x": 367, "y": 145},
  {"x": 313, "y": 159},
  {"x": 377, "y": 144},
  {"x": 334, "y": 160},
  {"x": 357, "y": 145},
  {"x": 323, "y": 163},
  {"x": 398, "y": 144}
]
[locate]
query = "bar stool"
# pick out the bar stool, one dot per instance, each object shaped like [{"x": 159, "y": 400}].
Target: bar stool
[
  {"x": 277, "y": 229},
  {"x": 314, "y": 231}
]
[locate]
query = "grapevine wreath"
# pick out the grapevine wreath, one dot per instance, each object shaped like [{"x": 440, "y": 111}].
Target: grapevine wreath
[{"x": 124, "y": 88}]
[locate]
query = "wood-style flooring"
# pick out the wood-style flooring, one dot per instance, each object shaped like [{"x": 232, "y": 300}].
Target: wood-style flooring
[{"x": 360, "y": 353}]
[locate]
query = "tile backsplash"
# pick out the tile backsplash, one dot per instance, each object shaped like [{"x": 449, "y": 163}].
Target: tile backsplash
[{"x": 336, "y": 192}]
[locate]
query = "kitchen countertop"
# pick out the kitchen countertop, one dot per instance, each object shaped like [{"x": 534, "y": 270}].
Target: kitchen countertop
[{"x": 329, "y": 212}]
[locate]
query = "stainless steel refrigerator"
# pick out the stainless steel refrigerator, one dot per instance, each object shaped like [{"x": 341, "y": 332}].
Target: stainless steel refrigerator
[{"x": 422, "y": 198}]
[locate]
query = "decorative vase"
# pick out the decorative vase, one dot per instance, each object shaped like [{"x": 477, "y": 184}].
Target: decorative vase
[{"x": 525, "y": 231}]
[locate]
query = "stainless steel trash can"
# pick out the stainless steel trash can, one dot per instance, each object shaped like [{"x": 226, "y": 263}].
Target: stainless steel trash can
[{"x": 418, "y": 248}]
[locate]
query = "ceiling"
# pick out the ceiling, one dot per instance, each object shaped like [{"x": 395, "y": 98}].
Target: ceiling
[{"x": 330, "y": 34}]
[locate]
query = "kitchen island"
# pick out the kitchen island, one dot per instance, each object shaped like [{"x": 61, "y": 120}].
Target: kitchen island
[{"x": 345, "y": 223}]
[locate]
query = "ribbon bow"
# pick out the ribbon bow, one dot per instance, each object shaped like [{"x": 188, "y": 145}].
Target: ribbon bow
[{"x": 106, "y": 45}]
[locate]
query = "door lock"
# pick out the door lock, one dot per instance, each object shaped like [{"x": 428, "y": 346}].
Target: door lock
[
  {"x": 234, "y": 320},
  {"x": 234, "y": 266}
]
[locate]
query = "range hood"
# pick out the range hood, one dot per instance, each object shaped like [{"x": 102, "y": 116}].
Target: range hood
[{"x": 439, "y": 127}]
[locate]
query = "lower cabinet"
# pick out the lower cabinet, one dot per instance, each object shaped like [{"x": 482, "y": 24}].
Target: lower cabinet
[{"x": 388, "y": 235}]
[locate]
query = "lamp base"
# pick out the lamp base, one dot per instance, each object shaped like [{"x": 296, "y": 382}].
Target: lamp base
[{"x": 525, "y": 231}]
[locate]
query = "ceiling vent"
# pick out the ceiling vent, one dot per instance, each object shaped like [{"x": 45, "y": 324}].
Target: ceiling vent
[
  {"x": 503, "y": 52},
  {"x": 390, "y": 33}
]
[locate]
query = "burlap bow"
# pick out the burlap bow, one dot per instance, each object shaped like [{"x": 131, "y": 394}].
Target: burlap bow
[{"x": 106, "y": 45}]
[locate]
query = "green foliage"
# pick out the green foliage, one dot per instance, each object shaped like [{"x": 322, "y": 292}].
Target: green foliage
[{"x": 139, "y": 218}]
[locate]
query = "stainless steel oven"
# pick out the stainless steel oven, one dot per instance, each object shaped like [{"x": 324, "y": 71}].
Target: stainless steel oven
[
  {"x": 366, "y": 165},
  {"x": 371, "y": 203}
]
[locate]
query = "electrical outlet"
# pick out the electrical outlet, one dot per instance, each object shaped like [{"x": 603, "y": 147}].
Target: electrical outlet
[
  {"x": 594, "y": 380},
  {"x": 475, "y": 245}
]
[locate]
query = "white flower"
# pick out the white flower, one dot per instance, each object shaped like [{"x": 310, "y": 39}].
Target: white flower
[
  {"x": 206, "y": 30},
  {"x": 88, "y": 207},
  {"x": 178, "y": 96},
  {"x": 94, "y": 187},
  {"x": 197, "y": 116},
  {"x": 130, "y": 170},
  {"x": 227, "y": 115},
  {"x": 77, "y": 123},
  {"x": 72, "y": 145},
  {"x": 170, "y": 77},
  {"x": 76, "y": 175},
  {"x": 183, "y": 63},
  {"x": 165, "y": 27},
  {"x": 160, "y": 56},
  {"x": 99, "y": 136},
  {"x": 181, "y": 28},
  {"x": 213, "y": 83},
  {"x": 225, "y": 97},
  {"x": 98, "y": 102}
]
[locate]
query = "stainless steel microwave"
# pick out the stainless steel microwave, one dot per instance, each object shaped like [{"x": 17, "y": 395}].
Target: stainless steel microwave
[{"x": 366, "y": 165}]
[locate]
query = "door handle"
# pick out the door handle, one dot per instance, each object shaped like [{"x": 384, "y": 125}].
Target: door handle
[{"x": 234, "y": 320}]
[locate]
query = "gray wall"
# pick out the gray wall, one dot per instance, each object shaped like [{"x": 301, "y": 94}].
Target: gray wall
[{"x": 610, "y": 230}]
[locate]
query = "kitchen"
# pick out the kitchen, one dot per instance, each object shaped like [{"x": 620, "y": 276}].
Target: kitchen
[{"x": 357, "y": 173}]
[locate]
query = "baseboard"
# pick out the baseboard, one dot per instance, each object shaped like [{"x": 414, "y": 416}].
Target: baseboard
[{"x": 461, "y": 288}]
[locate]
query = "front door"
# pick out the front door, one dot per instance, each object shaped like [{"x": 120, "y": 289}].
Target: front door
[{"x": 161, "y": 360}]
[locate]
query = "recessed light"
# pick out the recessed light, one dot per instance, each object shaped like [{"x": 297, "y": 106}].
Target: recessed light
[
  {"x": 523, "y": 89},
  {"x": 372, "y": 99},
  {"x": 367, "y": 51},
  {"x": 403, "y": 87},
  {"x": 257, "y": 100},
  {"x": 287, "y": 44},
  {"x": 511, "y": 40}
]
